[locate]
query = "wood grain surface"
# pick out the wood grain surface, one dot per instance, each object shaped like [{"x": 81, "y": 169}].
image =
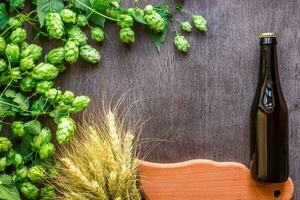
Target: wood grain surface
[
  {"x": 199, "y": 103},
  {"x": 207, "y": 180}
]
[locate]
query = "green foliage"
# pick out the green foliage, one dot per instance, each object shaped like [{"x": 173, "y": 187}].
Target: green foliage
[
  {"x": 14, "y": 4},
  {"x": 45, "y": 6},
  {"x": 4, "y": 17},
  {"x": 27, "y": 79},
  {"x": 8, "y": 189}
]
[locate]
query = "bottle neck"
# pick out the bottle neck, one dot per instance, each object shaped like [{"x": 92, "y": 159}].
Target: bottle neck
[{"x": 268, "y": 60}]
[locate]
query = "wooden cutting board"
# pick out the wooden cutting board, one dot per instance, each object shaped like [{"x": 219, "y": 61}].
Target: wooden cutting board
[{"x": 207, "y": 180}]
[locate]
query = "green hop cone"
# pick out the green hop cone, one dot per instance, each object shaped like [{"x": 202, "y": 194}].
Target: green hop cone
[
  {"x": 17, "y": 129},
  {"x": 12, "y": 53},
  {"x": 43, "y": 86},
  {"x": 186, "y": 26},
  {"x": 90, "y": 54},
  {"x": 18, "y": 160},
  {"x": 43, "y": 138},
  {"x": 21, "y": 173},
  {"x": 27, "y": 84},
  {"x": 65, "y": 130},
  {"x": 18, "y": 36},
  {"x": 22, "y": 17},
  {"x": 54, "y": 25},
  {"x": 200, "y": 23},
  {"x": 47, "y": 151},
  {"x": 97, "y": 34},
  {"x": 44, "y": 71},
  {"x": 5, "y": 144},
  {"x": 181, "y": 43},
  {"x": 148, "y": 9},
  {"x": 33, "y": 51},
  {"x": 125, "y": 21},
  {"x": 2, "y": 164},
  {"x": 68, "y": 97},
  {"x": 155, "y": 21},
  {"x": 24, "y": 45},
  {"x": 29, "y": 190},
  {"x": 61, "y": 67},
  {"x": 71, "y": 51},
  {"x": 81, "y": 20},
  {"x": 2, "y": 45},
  {"x": 14, "y": 23},
  {"x": 53, "y": 95},
  {"x": 36, "y": 173},
  {"x": 80, "y": 103},
  {"x": 68, "y": 16},
  {"x": 56, "y": 56},
  {"x": 26, "y": 63},
  {"x": 47, "y": 193},
  {"x": 13, "y": 75},
  {"x": 127, "y": 35},
  {"x": 3, "y": 65},
  {"x": 77, "y": 35}
]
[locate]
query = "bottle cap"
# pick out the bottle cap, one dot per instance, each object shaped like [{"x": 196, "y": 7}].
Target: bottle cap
[{"x": 267, "y": 35}]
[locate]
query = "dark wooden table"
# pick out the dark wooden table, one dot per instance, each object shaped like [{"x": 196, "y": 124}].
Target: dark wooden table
[{"x": 199, "y": 103}]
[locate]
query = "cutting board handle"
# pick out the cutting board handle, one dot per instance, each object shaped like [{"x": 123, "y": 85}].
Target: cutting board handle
[{"x": 207, "y": 180}]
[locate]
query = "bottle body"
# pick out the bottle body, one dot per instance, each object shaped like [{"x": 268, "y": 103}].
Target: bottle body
[{"x": 269, "y": 120}]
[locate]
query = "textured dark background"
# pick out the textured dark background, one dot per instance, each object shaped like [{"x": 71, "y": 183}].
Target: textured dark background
[{"x": 199, "y": 103}]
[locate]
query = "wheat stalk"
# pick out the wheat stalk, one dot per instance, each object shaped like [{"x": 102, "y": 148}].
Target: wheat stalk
[{"x": 99, "y": 163}]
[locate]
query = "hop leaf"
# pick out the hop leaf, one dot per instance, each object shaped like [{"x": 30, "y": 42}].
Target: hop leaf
[
  {"x": 29, "y": 190},
  {"x": 97, "y": 34},
  {"x": 12, "y": 53},
  {"x": 200, "y": 23},
  {"x": 186, "y": 26},
  {"x": 65, "y": 130},
  {"x": 56, "y": 56},
  {"x": 127, "y": 35},
  {"x": 68, "y": 16},
  {"x": 181, "y": 43},
  {"x": 90, "y": 54},
  {"x": 77, "y": 35},
  {"x": 18, "y": 36},
  {"x": 44, "y": 71},
  {"x": 71, "y": 51},
  {"x": 54, "y": 25}
]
